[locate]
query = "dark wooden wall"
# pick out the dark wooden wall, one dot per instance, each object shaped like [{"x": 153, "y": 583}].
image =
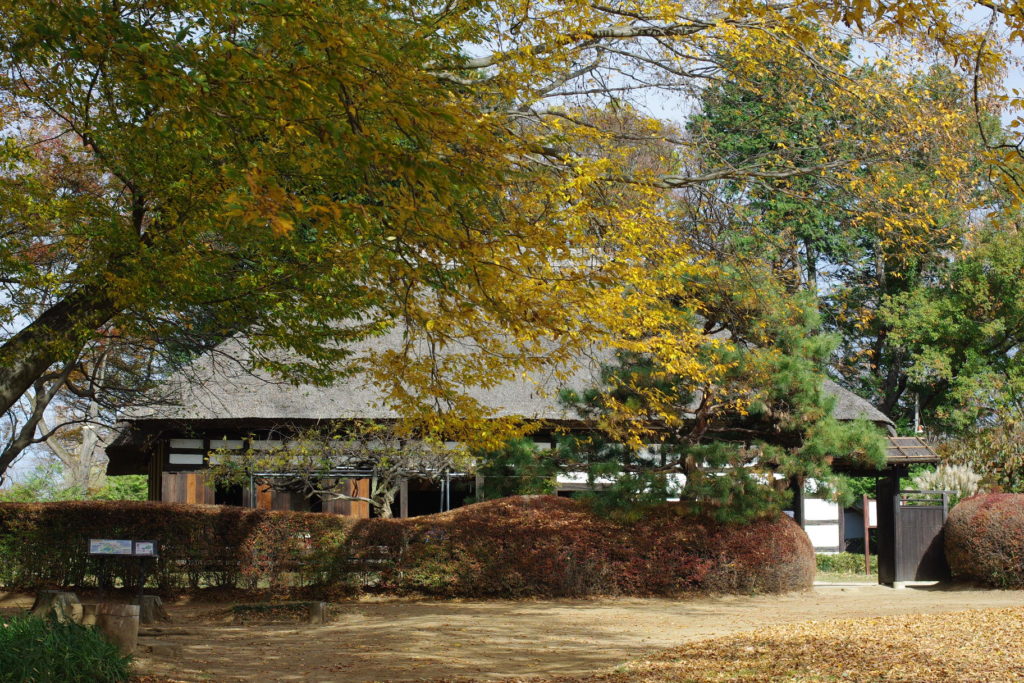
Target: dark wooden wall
[
  {"x": 192, "y": 487},
  {"x": 186, "y": 487}
]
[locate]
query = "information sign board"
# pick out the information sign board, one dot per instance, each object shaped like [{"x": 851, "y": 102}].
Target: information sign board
[
  {"x": 110, "y": 546},
  {"x": 145, "y": 548}
]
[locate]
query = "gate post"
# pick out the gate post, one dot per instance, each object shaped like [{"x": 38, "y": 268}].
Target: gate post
[{"x": 887, "y": 492}]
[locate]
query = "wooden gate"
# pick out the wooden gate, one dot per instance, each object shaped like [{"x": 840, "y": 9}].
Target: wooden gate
[{"x": 910, "y": 540}]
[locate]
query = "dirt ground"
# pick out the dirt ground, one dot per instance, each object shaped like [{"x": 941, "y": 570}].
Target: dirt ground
[{"x": 413, "y": 640}]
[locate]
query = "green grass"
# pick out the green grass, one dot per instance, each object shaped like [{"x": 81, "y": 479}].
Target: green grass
[
  {"x": 844, "y": 563},
  {"x": 834, "y": 577},
  {"x": 36, "y": 651}
]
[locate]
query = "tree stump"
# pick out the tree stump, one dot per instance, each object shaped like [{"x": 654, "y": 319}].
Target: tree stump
[
  {"x": 119, "y": 624},
  {"x": 59, "y": 605},
  {"x": 89, "y": 613},
  {"x": 317, "y": 612},
  {"x": 151, "y": 609}
]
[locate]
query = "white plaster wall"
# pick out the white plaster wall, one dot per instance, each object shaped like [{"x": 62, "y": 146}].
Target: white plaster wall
[{"x": 823, "y": 535}]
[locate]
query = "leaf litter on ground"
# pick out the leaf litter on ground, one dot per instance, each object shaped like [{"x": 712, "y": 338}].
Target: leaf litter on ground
[{"x": 972, "y": 645}]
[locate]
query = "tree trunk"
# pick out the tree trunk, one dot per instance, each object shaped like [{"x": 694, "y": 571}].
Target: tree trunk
[{"x": 58, "y": 334}]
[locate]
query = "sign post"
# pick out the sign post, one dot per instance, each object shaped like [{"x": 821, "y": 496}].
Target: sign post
[
  {"x": 144, "y": 552},
  {"x": 870, "y": 522}
]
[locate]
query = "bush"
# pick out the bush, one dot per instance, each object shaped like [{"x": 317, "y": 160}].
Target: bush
[
  {"x": 550, "y": 546},
  {"x": 43, "y": 545},
  {"x": 845, "y": 563},
  {"x": 512, "y": 547},
  {"x": 33, "y": 650},
  {"x": 985, "y": 539}
]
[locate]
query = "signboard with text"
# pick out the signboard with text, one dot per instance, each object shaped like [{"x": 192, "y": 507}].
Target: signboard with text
[
  {"x": 109, "y": 546},
  {"x": 122, "y": 546}
]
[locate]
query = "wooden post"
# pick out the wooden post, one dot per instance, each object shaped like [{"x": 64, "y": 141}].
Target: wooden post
[
  {"x": 797, "y": 483},
  {"x": 479, "y": 492},
  {"x": 403, "y": 498},
  {"x": 867, "y": 534},
  {"x": 156, "y": 471}
]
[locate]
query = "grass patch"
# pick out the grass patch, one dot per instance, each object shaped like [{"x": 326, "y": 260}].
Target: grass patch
[
  {"x": 832, "y": 577},
  {"x": 38, "y": 651},
  {"x": 974, "y": 645}
]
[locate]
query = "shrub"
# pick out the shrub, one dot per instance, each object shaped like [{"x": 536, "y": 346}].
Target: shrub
[
  {"x": 550, "y": 546},
  {"x": 845, "y": 563},
  {"x": 38, "y": 651},
  {"x": 984, "y": 538},
  {"x": 44, "y": 545},
  {"x": 512, "y": 547}
]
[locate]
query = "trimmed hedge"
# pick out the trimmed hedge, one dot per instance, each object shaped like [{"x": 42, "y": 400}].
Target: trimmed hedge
[
  {"x": 44, "y": 545},
  {"x": 984, "y": 538},
  {"x": 512, "y": 547},
  {"x": 549, "y": 546}
]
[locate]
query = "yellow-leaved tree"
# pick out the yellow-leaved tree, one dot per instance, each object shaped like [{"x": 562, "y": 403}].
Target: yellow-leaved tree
[{"x": 497, "y": 177}]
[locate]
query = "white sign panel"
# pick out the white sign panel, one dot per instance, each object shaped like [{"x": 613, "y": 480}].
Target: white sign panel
[
  {"x": 109, "y": 546},
  {"x": 872, "y": 513},
  {"x": 145, "y": 548}
]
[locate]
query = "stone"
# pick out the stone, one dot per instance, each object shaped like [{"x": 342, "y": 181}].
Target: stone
[
  {"x": 56, "y": 604},
  {"x": 119, "y": 624}
]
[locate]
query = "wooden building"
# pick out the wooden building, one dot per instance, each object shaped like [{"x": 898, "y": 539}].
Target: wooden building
[{"x": 217, "y": 404}]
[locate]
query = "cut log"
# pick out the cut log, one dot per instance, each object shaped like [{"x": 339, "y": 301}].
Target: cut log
[
  {"x": 151, "y": 610},
  {"x": 89, "y": 613},
  {"x": 317, "y": 612},
  {"x": 58, "y": 605},
  {"x": 119, "y": 624}
]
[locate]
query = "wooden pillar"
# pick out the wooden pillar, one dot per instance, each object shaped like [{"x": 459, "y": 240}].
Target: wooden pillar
[
  {"x": 403, "y": 498},
  {"x": 842, "y": 527},
  {"x": 797, "y": 484},
  {"x": 156, "y": 470},
  {"x": 264, "y": 497},
  {"x": 361, "y": 488},
  {"x": 888, "y": 506},
  {"x": 479, "y": 490}
]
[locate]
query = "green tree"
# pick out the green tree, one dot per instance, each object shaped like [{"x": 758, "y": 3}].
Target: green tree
[
  {"x": 316, "y": 173},
  {"x": 833, "y": 235},
  {"x": 518, "y": 468},
  {"x": 963, "y": 328},
  {"x": 738, "y": 440}
]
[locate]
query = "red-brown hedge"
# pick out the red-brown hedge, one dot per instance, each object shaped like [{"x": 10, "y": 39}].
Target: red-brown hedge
[
  {"x": 45, "y": 544},
  {"x": 550, "y": 546},
  {"x": 984, "y": 537},
  {"x": 513, "y": 547}
]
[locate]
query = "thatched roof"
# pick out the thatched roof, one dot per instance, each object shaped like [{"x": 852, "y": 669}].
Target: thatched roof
[
  {"x": 850, "y": 406},
  {"x": 218, "y": 388}
]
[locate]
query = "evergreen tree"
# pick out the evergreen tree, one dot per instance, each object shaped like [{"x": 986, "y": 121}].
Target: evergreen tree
[{"x": 731, "y": 446}]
